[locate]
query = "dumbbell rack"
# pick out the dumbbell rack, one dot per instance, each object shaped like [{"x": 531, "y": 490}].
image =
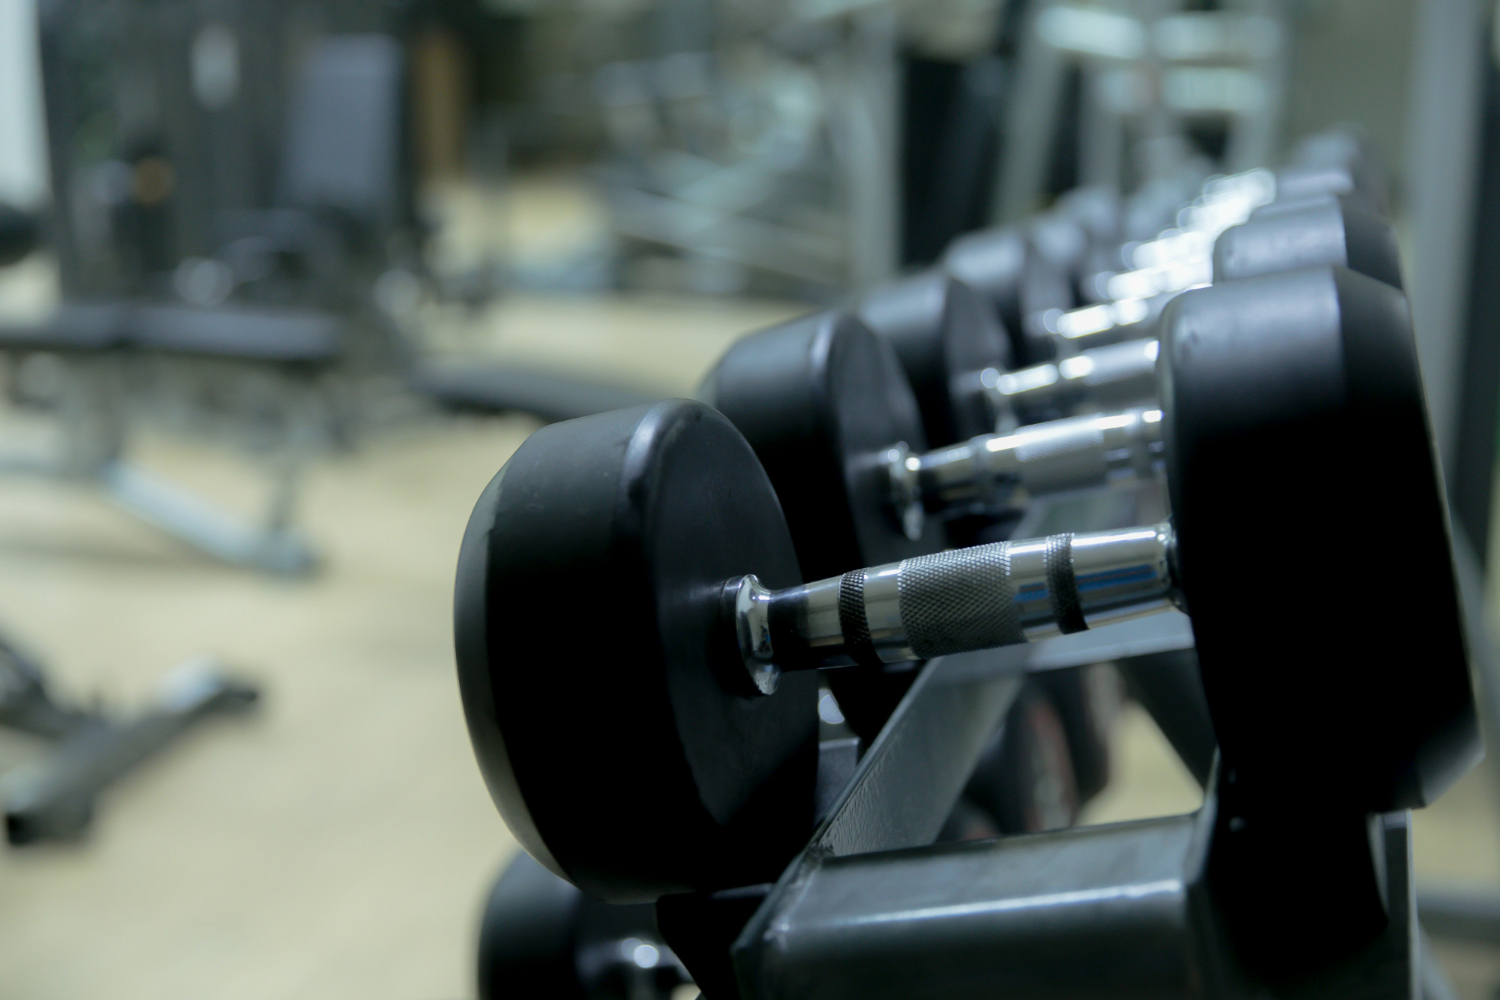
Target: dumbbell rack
[
  {"x": 1293, "y": 879},
  {"x": 870, "y": 908}
]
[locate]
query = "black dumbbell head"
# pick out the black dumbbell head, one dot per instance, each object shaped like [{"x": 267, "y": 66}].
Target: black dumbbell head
[
  {"x": 1298, "y": 182},
  {"x": 1327, "y": 229},
  {"x": 540, "y": 936},
  {"x": 527, "y": 936},
  {"x": 621, "y": 752},
  {"x": 944, "y": 335},
  {"x": 993, "y": 263},
  {"x": 1313, "y": 541},
  {"x": 1347, "y": 147},
  {"x": 1097, "y": 208},
  {"x": 821, "y": 399}
]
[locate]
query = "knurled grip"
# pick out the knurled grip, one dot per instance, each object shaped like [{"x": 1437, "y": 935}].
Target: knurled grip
[
  {"x": 852, "y": 620},
  {"x": 958, "y": 600},
  {"x": 1063, "y": 585}
]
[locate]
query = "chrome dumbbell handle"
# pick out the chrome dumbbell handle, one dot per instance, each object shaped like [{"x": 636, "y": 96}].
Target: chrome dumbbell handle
[
  {"x": 963, "y": 599},
  {"x": 1156, "y": 270},
  {"x": 994, "y": 473},
  {"x": 1117, "y": 373},
  {"x": 1181, "y": 258}
]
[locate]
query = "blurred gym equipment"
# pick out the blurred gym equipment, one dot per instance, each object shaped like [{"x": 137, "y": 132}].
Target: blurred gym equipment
[
  {"x": 1075, "y": 275},
  {"x": 804, "y": 186},
  {"x": 1144, "y": 74},
  {"x": 242, "y": 261},
  {"x": 53, "y": 798},
  {"x": 213, "y": 278}
]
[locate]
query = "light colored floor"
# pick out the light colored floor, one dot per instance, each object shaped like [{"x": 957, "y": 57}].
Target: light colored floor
[{"x": 336, "y": 846}]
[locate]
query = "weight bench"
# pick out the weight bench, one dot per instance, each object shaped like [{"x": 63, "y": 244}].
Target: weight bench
[
  {"x": 479, "y": 385},
  {"x": 105, "y": 346},
  {"x": 53, "y": 799}
]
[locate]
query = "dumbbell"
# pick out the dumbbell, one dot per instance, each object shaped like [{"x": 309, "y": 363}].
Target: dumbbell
[
  {"x": 1003, "y": 264},
  {"x": 1328, "y": 229},
  {"x": 1282, "y": 234},
  {"x": 540, "y": 936},
  {"x": 822, "y": 402},
  {"x": 1337, "y": 160},
  {"x": 1323, "y": 228},
  {"x": 629, "y": 612},
  {"x": 1180, "y": 259},
  {"x": 1021, "y": 270},
  {"x": 823, "y": 406},
  {"x": 958, "y": 362},
  {"x": 855, "y": 483},
  {"x": 1343, "y": 150},
  {"x": 957, "y": 359},
  {"x": 996, "y": 262},
  {"x": 1332, "y": 164},
  {"x": 945, "y": 337}
]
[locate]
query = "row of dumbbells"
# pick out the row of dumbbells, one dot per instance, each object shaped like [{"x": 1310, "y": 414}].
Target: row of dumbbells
[
  {"x": 846, "y": 452},
  {"x": 639, "y": 573}
]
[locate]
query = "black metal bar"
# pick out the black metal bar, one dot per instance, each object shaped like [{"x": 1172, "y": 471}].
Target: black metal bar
[
  {"x": 900, "y": 794},
  {"x": 1166, "y": 632},
  {"x": 871, "y": 910},
  {"x": 1099, "y": 912},
  {"x": 54, "y": 799},
  {"x": 25, "y": 703},
  {"x": 907, "y": 783},
  {"x": 1129, "y": 910},
  {"x": 913, "y": 773},
  {"x": 866, "y": 911},
  {"x": 482, "y": 386}
]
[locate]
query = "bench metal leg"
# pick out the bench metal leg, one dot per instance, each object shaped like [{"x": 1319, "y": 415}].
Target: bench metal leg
[
  {"x": 53, "y": 799},
  {"x": 273, "y": 548}
]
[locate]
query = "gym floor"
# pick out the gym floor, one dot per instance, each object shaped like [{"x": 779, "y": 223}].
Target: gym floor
[{"x": 339, "y": 843}]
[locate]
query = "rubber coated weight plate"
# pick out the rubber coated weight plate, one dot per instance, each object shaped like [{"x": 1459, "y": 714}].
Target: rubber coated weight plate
[
  {"x": 1348, "y": 150},
  {"x": 1313, "y": 540},
  {"x": 1045, "y": 286},
  {"x": 1306, "y": 181},
  {"x": 614, "y": 741},
  {"x": 944, "y": 336},
  {"x": 993, "y": 263},
  {"x": 527, "y": 935},
  {"x": 1097, "y": 209},
  {"x": 1330, "y": 230},
  {"x": 541, "y": 937},
  {"x": 821, "y": 399}
]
